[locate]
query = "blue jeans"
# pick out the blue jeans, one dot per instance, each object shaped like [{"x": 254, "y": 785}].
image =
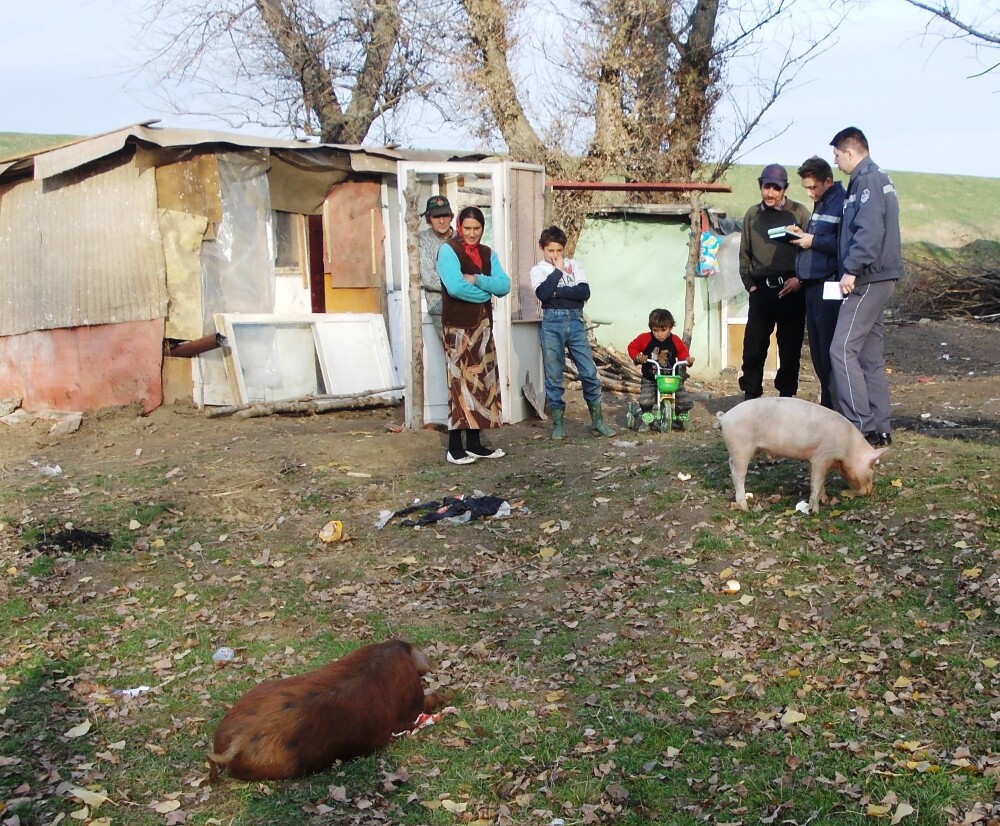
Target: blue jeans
[{"x": 564, "y": 330}]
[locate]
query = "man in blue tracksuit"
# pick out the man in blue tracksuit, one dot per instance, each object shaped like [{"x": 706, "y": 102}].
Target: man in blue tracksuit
[
  {"x": 871, "y": 261},
  {"x": 818, "y": 263}
]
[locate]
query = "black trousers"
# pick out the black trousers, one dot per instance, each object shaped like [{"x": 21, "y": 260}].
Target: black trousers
[
  {"x": 821, "y": 321},
  {"x": 766, "y": 312}
]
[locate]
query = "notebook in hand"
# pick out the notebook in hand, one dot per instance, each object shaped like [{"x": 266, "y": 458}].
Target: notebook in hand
[{"x": 782, "y": 234}]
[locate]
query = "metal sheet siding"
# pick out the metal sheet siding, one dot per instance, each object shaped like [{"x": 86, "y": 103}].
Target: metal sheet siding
[{"x": 82, "y": 249}]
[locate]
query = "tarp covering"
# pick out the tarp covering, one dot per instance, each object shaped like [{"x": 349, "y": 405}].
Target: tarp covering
[{"x": 238, "y": 266}]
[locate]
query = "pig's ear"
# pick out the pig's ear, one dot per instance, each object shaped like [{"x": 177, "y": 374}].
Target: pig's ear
[{"x": 878, "y": 454}]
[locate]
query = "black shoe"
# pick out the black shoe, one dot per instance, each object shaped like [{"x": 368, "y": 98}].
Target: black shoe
[{"x": 878, "y": 439}]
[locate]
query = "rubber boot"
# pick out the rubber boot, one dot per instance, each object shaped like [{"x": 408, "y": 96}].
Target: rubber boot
[
  {"x": 558, "y": 428},
  {"x": 597, "y": 420}
]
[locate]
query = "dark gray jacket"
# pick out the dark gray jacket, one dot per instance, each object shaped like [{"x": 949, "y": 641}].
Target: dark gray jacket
[{"x": 869, "y": 232}]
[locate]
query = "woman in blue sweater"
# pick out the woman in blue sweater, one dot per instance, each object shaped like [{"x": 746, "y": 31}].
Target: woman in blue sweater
[{"x": 471, "y": 275}]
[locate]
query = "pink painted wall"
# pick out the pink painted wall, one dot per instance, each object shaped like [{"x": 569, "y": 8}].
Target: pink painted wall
[{"x": 84, "y": 368}]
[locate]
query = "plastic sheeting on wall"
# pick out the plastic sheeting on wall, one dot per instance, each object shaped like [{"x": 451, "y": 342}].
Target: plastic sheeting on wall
[
  {"x": 237, "y": 267},
  {"x": 727, "y": 284}
]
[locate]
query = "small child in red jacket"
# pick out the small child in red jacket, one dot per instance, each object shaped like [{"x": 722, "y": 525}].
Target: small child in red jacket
[{"x": 659, "y": 345}]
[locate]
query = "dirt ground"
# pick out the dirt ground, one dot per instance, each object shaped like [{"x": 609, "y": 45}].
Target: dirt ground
[{"x": 943, "y": 380}]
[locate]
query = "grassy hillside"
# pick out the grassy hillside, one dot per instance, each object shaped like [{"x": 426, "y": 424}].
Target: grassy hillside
[
  {"x": 947, "y": 210},
  {"x": 14, "y": 143}
]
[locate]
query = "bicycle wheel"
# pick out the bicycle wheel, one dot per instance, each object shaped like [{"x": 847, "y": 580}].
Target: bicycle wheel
[{"x": 666, "y": 414}]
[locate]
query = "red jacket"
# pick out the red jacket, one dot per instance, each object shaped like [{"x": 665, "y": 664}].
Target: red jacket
[{"x": 645, "y": 343}]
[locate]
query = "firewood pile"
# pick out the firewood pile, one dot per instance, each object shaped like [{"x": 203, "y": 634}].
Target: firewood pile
[
  {"x": 616, "y": 371},
  {"x": 936, "y": 289}
]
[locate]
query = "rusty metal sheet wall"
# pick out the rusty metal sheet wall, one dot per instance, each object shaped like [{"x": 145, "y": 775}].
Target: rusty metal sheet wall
[
  {"x": 85, "y": 368},
  {"x": 81, "y": 249}
]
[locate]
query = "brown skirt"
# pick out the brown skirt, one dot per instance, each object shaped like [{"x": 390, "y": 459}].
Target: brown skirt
[{"x": 473, "y": 379}]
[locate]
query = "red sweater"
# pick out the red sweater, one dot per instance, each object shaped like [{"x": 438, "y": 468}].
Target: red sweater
[{"x": 645, "y": 343}]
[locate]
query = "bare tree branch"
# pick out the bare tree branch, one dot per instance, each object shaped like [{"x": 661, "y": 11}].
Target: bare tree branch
[
  {"x": 488, "y": 33},
  {"x": 973, "y": 29}
]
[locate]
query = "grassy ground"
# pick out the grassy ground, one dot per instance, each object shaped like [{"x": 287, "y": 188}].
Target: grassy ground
[
  {"x": 604, "y": 674},
  {"x": 946, "y": 210}
]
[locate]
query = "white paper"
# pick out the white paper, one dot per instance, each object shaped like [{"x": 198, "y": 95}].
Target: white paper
[{"x": 831, "y": 291}]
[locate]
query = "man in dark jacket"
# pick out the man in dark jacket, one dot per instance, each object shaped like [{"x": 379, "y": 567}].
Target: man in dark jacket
[
  {"x": 818, "y": 263},
  {"x": 767, "y": 267},
  {"x": 871, "y": 262}
]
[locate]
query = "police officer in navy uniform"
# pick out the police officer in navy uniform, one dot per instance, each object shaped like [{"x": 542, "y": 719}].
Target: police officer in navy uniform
[
  {"x": 871, "y": 261},
  {"x": 818, "y": 263},
  {"x": 767, "y": 268}
]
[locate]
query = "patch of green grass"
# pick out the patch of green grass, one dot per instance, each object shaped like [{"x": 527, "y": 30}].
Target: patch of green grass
[{"x": 920, "y": 195}]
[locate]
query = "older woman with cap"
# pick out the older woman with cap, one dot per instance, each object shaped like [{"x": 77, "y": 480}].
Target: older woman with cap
[
  {"x": 471, "y": 275},
  {"x": 438, "y": 215}
]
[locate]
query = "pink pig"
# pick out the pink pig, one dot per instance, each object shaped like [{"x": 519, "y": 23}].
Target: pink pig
[{"x": 799, "y": 430}]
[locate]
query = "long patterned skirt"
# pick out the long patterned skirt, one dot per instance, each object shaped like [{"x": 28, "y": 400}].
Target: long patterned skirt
[{"x": 473, "y": 379}]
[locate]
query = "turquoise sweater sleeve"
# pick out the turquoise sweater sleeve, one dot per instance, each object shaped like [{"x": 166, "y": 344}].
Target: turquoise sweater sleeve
[{"x": 486, "y": 285}]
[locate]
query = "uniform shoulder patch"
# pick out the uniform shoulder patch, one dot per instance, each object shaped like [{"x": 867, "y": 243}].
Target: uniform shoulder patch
[{"x": 865, "y": 195}]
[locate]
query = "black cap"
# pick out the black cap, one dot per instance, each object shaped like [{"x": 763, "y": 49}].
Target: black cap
[
  {"x": 437, "y": 205},
  {"x": 774, "y": 173}
]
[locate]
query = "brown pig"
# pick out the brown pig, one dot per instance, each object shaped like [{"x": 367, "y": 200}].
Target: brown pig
[
  {"x": 303, "y": 724},
  {"x": 799, "y": 430}
]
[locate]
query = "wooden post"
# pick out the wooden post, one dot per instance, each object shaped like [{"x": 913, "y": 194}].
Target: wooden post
[
  {"x": 691, "y": 272},
  {"x": 416, "y": 315}
]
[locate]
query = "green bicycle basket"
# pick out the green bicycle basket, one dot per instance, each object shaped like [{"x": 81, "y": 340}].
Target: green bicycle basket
[{"x": 668, "y": 384}]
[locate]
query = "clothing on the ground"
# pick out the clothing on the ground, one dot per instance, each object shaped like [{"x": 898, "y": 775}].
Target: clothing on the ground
[
  {"x": 870, "y": 250},
  {"x": 467, "y": 329},
  {"x": 765, "y": 264},
  {"x": 449, "y": 507},
  {"x": 563, "y": 294},
  {"x": 814, "y": 266}
]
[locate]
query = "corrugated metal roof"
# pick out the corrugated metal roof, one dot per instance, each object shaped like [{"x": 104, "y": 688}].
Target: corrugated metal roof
[{"x": 52, "y": 161}]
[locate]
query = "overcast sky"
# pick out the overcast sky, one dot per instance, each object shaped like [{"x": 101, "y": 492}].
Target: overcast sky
[{"x": 63, "y": 65}]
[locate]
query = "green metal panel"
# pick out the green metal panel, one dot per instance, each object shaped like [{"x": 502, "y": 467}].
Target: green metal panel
[{"x": 636, "y": 264}]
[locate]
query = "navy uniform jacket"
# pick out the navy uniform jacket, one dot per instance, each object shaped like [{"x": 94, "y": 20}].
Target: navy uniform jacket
[
  {"x": 869, "y": 231},
  {"x": 822, "y": 260}
]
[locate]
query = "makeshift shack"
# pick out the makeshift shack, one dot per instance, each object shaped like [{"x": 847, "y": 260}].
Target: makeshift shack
[{"x": 151, "y": 264}]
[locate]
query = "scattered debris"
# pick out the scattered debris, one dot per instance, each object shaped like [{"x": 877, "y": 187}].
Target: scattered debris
[
  {"x": 332, "y": 531},
  {"x": 73, "y": 539},
  {"x": 455, "y": 509}
]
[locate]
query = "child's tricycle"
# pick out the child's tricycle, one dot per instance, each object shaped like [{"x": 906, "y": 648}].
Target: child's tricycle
[{"x": 664, "y": 416}]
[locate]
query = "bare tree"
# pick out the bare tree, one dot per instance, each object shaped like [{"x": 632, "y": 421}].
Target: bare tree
[
  {"x": 642, "y": 79},
  {"x": 982, "y": 28},
  {"x": 330, "y": 68}
]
